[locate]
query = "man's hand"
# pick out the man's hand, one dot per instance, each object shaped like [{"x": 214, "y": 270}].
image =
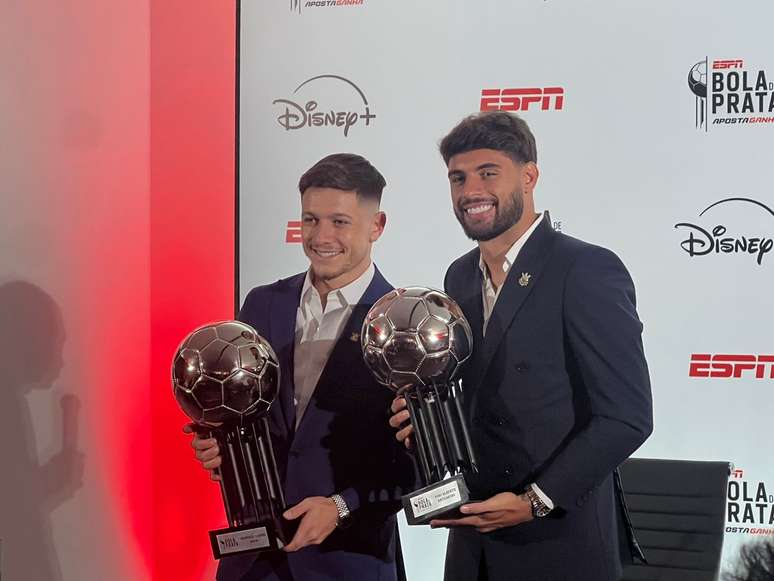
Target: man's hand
[
  {"x": 206, "y": 451},
  {"x": 400, "y": 420},
  {"x": 502, "y": 510},
  {"x": 319, "y": 519}
]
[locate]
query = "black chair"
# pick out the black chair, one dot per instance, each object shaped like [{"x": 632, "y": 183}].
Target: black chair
[{"x": 677, "y": 508}]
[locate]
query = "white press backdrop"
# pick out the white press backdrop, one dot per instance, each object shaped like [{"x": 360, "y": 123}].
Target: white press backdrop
[{"x": 625, "y": 156}]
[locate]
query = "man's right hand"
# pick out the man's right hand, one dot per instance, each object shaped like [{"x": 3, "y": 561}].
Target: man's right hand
[
  {"x": 206, "y": 451},
  {"x": 401, "y": 421}
]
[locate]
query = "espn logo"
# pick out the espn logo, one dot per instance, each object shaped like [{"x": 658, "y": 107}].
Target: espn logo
[
  {"x": 737, "y": 366},
  {"x": 293, "y": 232},
  {"x": 521, "y": 99},
  {"x": 728, "y": 64}
]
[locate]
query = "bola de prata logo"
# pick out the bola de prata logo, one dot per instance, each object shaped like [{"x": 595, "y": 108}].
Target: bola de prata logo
[
  {"x": 750, "y": 506},
  {"x": 304, "y": 110},
  {"x": 728, "y": 92},
  {"x": 719, "y": 239}
]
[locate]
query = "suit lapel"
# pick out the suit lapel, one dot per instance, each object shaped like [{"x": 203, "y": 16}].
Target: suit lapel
[
  {"x": 347, "y": 349},
  {"x": 283, "y": 327},
  {"x": 522, "y": 278}
]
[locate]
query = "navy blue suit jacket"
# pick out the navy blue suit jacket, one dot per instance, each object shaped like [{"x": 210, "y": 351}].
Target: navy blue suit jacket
[
  {"x": 343, "y": 444},
  {"x": 556, "y": 393}
]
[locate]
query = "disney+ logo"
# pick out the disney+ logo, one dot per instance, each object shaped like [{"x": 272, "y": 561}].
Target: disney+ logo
[
  {"x": 703, "y": 242},
  {"x": 299, "y": 115}
]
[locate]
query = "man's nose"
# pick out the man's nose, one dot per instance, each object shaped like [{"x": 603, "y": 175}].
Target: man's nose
[
  {"x": 473, "y": 185},
  {"x": 323, "y": 231}
]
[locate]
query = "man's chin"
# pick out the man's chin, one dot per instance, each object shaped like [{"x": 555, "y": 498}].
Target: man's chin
[
  {"x": 327, "y": 272},
  {"x": 478, "y": 233},
  {"x": 484, "y": 232}
]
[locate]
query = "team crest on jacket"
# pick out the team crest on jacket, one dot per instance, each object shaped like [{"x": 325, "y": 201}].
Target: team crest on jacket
[{"x": 524, "y": 280}]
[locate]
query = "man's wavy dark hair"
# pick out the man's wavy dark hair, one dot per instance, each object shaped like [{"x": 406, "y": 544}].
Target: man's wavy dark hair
[{"x": 498, "y": 130}]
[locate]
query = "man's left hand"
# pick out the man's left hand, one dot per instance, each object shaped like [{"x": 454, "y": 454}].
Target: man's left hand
[
  {"x": 319, "y": 518},
  {"x": 505, "y": 509}
]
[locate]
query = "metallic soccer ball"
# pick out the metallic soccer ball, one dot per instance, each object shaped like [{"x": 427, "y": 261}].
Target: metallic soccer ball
[
  {"x": 415, "y": 336},
  {"x": 224, "y": 373}
]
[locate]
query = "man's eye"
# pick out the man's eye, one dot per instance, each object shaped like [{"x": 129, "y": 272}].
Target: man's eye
[
  {"x": 341, "y": 222},
  {"x": 488, "y": 174},
  {"x": 456, "y": 180},
  {"x": 309, "y": 220}
]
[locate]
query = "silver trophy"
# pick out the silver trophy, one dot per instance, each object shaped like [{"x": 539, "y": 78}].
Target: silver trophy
[
  {"x": 225, "y": 377},
  {"x": 414, "y": 341}
]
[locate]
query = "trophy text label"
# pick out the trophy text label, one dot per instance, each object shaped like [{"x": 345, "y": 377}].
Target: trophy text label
[
  {"x": 243, "y": 540},
  {"x": 445, "y": 495}
]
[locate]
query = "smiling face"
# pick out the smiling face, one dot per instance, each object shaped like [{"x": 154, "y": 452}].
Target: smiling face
[
  {"x": 338, "y": 228},
  {"x": 489, "y": 191}
]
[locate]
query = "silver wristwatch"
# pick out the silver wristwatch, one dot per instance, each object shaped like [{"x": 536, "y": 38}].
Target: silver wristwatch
[
  {"x": 539, "y": 508},
  {"x": 343, "y": 510}
]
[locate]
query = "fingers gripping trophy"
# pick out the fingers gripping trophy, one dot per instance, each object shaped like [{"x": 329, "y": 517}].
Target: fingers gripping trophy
[
  {"x": 225, "y": 377},
  {"x": 414, "y": 341}
]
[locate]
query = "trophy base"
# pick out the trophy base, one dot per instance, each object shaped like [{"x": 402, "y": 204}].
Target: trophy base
[
  {"x": 435, "y": 500},
  {"x": 254, "y": 538}
]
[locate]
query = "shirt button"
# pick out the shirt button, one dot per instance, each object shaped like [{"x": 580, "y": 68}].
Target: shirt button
[
  {"x": 500, "y": 421},
  {"x": 508, "y": 471},
  {"x": 522, "y": 366}
]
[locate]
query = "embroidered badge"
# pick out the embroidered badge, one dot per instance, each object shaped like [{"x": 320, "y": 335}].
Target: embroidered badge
[{"x": 524, "y": 280}]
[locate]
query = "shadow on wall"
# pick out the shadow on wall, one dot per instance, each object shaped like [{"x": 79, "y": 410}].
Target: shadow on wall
[{"x": 31, "y": 340}]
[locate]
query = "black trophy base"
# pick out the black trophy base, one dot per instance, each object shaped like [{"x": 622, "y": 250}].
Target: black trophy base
[
  {"x": 436, "y": 500},
  {"x": 256, "y": 538}
]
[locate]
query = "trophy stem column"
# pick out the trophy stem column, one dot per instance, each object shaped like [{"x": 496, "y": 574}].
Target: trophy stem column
[{"x": 420, "y": 445}]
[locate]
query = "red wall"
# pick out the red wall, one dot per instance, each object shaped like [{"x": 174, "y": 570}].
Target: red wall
[{"x": 192, "y": 111}]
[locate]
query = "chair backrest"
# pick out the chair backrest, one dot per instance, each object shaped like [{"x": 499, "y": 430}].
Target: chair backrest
[{"x": 678, "y": 510}]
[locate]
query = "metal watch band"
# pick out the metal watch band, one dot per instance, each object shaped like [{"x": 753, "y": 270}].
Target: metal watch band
[
  {"x": 342, "y": 508},
  {"x": 539, "y": 508}
]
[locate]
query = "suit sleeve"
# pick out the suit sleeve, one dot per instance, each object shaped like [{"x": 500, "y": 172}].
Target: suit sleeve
[
  {"x": 604, "y": 351},
  {"x": 251, "y": 312}
]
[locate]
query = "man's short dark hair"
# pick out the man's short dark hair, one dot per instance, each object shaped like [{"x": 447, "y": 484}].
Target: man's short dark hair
[
  {"x": 345, "y": 171},
  {"x": 498, "y": 130}
]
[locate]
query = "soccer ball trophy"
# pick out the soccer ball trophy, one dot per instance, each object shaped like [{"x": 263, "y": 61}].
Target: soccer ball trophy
[
  {"x": 414, "y": 341},
  {"x": 225, "y": 377}
]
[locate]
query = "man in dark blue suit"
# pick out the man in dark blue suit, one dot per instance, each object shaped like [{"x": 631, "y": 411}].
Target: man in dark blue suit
[
  {"x": 557, "y": 392},
  {"x": 343, "y": 471}
]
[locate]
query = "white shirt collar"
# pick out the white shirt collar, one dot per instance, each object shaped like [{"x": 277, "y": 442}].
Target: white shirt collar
[
  {"x": 341, "y": 297},
  {"x": 513, "y": 252}
]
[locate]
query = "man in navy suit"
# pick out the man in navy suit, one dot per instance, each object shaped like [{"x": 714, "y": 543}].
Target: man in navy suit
[
  {"x": 557, "y": 392},
  {"x": 343, "y": 471}
]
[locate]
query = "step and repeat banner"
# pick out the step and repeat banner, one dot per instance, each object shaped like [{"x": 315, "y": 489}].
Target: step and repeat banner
[{"x": 655, "y": 131}]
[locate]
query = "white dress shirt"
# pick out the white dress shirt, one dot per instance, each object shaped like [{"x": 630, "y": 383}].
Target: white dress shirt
[
  {"x": 490, "y": 294},
  {"x": 317, "y": 331}
]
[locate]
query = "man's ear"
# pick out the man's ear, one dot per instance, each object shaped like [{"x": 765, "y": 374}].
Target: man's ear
[
  {"x": 529, "y": 176},
  {"x": 378, "y": 223}
]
